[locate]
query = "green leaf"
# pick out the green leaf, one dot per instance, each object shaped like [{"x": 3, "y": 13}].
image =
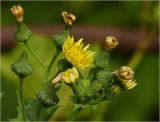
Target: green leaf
[
  {"x": 33, "y": 109},
  {"x": 101, "y": 61},
  {"x": 36, "y": 111},
  {"x": 104, "y": 76},
  {"x": 46, "y": 113}
]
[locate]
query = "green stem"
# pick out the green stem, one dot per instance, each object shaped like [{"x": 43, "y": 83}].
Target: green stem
[
  {"x": 50, "y": 65},
  {"x": 21, "y": 97},
  {"x": 35, "y": 56},
  {"x": 74, "y": 114}
]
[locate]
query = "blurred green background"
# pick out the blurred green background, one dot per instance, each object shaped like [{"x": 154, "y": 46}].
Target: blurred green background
[{"x": 138, "y": 104}]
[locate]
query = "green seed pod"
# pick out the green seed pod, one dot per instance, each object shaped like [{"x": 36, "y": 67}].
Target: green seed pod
[
  {"x": 60, "y": 38},
  {"x": 22, "y": 68},
  {"x": 23, "y": 34},
  {"x": 48, "y": 98},
  {"x": 63, "y": 65}
]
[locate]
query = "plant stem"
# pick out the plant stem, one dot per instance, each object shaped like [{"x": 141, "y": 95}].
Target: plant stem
[
  {"x": 35, "y": 56},
  {"x": 50, "y": 65},
  {"x": 74, "y": 114},
  {"x": 21, "y": 97},
  {"x": 140, "y": 51}
]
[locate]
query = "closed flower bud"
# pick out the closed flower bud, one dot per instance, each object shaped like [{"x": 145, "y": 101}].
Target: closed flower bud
[
  {"x": 124, "y": 73},
  {"x": 125, "y": 76},
  {"x": 60, "y": 38},
  {"x": 23, "y": 34},
  {"x": 18, "y": 12},
  {"x": 111, "y": 43},
  {"x": 48, "y": 98},
  {"x": 22, "y": 68},
  {"x": 115, "y": 89},
  {"x": 68, "y": 18}
]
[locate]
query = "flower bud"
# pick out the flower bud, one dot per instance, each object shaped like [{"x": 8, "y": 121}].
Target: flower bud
[
  {"x": 18, "y": 12},
  {"x": 48, "y": 98},
  {"x": 129, "y": 84},
  {"x": 59, "y": 39},
  {"x": 124, "y": 73},
  {"x": 70, "y": 75},
  {"x": 111, "y": 43},
  {"x": 22, "y": 68},
  {"x": 23, "y": 34},
  {"x": 115, "y": 89},
  {"x": 68, "y": 18}
]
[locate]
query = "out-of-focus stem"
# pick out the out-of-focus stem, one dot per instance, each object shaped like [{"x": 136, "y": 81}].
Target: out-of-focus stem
[
  {"x": 50, "y": 65},
  {"x": 35, "y": 56},
  {"x": 139, "y": 53},
  {"x": 146, "y": 42}
]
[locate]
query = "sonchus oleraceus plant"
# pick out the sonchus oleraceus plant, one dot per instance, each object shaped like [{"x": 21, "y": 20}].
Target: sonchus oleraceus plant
[{"x": 100, "y": 84}]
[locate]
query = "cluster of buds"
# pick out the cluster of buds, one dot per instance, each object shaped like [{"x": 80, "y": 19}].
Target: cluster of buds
[
  {"x": 18, "y": 12},
  {"x": 125, "y": 76},
  {"x": 68, "y": 18},
  {"x": 69, "y": 76},
  {"x": 111, "y": 43}
]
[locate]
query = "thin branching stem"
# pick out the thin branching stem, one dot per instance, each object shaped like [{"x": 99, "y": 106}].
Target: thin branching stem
[{"x": 35, "y": 56}]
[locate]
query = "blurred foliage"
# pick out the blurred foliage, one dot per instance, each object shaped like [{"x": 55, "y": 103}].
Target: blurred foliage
[{"x": 140, "y": 104}]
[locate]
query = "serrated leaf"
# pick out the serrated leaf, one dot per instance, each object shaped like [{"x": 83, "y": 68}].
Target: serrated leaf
[
  {"x": 104, "y": 76},
  {"x": 101, "y": 61},
  {"x": 35, "y": 111}
]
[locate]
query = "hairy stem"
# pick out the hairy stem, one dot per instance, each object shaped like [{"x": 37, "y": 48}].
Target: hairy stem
[
  {"x": 21, "y": 97},
  {"x": 35, "y": 56}
]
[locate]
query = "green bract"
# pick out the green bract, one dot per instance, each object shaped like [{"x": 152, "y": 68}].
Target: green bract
[
  {"x": 22, "y": 34},
  {"x": 60, "y": 38},
  {"x": 22, "y": 68},
  {"x": 101, "y": 61},
  {"x": 48, "y": 98}
]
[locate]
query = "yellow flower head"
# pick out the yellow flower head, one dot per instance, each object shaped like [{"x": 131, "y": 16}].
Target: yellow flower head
[
  {"x": 68, "y": 18},
  {"x": 70, "y": 75},
  {"x": 76, "y": 54},
  {"x": 18, "y": 12}
]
